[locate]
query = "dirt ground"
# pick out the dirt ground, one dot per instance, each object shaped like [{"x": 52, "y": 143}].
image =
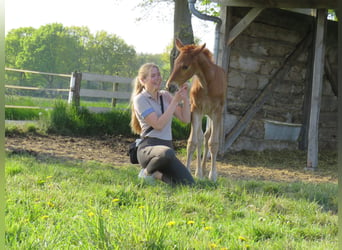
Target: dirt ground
[{"x": 113, "y": 150}]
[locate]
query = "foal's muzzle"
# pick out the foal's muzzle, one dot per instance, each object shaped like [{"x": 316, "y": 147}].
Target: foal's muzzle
[{"x": 172, "y": 88}]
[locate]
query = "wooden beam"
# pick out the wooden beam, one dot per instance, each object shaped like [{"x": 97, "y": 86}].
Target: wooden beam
[
  {"x": 317, "y": 81},
  {"x": 243, "y": 24},
  {"x": 311, "y": 4},
  {"x": 105, "y": 94},
  {"x": 38, "y": 72},
  {"x": 266, "y": 92},
  {"x": 105, "y": 78},
  {"x": 223, "y": 61},
  {"x": 303, "y": 137},
  {"x": 34, "y": 88}
]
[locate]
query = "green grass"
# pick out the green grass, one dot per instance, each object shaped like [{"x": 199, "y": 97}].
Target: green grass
[
  {"x": 44, "y": 103},
  {"x": 55, "y": 204}
]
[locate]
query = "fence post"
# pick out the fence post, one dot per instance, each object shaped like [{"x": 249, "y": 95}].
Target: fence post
[
  {"x": 72, "y": 87},
  {"x": 115, "y": 88},
  {"x": 75, "y": 87}
]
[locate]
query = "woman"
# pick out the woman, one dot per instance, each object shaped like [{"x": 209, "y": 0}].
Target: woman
[{"x": 155, "y": 152}]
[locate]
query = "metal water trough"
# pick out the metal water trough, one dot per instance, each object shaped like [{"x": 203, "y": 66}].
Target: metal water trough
[{"x": 275, "y": 130}]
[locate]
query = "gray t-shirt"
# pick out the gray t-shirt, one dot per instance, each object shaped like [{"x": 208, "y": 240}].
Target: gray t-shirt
[{"x": 144, "y": 105}]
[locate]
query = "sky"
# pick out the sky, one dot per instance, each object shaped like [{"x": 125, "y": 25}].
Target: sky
[{"x": 152, "y": 34}]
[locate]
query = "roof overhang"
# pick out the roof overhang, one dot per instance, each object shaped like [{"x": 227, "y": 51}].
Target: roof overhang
[{"x": 302, "y": 4}]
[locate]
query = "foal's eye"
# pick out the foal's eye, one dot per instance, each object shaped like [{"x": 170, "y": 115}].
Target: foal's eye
[{"x": 185, "y": 67}]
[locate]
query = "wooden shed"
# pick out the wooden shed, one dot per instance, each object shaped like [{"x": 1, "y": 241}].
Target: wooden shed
[{"x": 281, "y": 60}]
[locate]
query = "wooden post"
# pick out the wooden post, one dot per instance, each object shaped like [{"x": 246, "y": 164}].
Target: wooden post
[
  {"x": 72, "y": 87},
  {"x": 243, "y": 24},
  {"x": 75, "y": 87},
  {"x": 115, "y": 89},
  {"x": 317, "y": 80}
]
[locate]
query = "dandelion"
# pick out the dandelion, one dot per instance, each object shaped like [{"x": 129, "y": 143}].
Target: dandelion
[
  {"x": 41, "y": 182},
  {"x": 207, "y": 228},
  {"x": 190, "y": 222},
  {"x": 50, "y": 204},
  {"x": 242, "y": 238},
  {"x": 171, "y": 223},
  {"x": 44, "y": 217},
  {"x": 212, "y": 245},
  {"x": 91, "y": 214},
  {"x": 141, "y": 207},
  {"x": 115, "y": 200}
]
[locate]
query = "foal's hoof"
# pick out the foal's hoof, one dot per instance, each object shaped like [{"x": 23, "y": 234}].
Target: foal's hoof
[{"x": 213, "y": 176}]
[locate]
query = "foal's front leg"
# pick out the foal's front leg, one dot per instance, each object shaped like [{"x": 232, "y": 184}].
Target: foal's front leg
[{"x": 193, "y": 142}]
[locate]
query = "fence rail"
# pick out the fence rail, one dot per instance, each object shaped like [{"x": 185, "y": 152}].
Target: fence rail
[{"x": 76, "y": 91}]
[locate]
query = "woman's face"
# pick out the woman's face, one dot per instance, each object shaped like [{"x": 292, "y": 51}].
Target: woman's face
[{"x": 153, "y": 80}]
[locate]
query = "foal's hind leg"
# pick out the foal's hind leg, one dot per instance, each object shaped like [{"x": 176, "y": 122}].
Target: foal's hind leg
[
  {"x": 205, "y": 150},
  {"x": 214, "y": 146}
]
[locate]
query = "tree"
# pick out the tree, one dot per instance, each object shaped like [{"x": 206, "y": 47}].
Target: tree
[
  {"x": 57, "y": 49},
  {"x": 49, "y": 49},
  {"x": 182, "y": 19},
  {"x": 109, "y": 54},
  {"x": 182, "y": 27}
]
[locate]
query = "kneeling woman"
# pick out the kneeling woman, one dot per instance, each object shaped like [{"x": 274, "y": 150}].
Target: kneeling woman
[{"x": 152, "y": 113}]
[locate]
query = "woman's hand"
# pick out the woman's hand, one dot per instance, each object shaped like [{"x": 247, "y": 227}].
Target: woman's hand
[
  {"x": 182, "y": 111},
  {"x": 182, "y": 94}
]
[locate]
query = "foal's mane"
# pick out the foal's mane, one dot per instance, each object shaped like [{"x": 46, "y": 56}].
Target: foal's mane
[{"x": 190, "y": 47}]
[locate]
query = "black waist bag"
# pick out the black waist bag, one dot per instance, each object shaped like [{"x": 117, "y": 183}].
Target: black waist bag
[{"x": 133, "y": 153}]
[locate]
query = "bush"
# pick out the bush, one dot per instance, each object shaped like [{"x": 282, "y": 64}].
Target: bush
[{"x": 22, "y": 114}]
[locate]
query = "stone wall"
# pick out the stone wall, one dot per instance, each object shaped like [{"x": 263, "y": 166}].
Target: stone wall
[{"x": 255, "y": 56}]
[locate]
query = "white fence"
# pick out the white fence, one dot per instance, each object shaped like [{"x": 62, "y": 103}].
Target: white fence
[{"x": 75, "y": 91}]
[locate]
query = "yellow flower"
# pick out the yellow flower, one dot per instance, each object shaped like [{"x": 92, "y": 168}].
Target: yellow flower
[
  {"x": 50, "y": 204},
  {"x": 115, "y": 200},
  {"x": 242, "y": 238},
  {"x": 91, "y": 214},
  {"x": 208, "y": 228},
  {"x": 171, "y": 223},
  {"x": 141, "y": 207},
  {"x": 212, "y": 245},
  {"x": 190, "y": 222},
  {"x": 44, "y": 217}
]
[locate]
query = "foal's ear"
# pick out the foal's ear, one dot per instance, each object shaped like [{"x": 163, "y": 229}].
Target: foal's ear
[
  {"x": 199, "y": 49},
  {"x": 179, "y": 44}
]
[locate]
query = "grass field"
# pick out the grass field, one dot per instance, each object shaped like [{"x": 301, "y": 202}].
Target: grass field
[{"x": 55, "y": 204}]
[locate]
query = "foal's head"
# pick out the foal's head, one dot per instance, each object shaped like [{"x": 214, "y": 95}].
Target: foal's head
[{"x": 184, "y": 65}]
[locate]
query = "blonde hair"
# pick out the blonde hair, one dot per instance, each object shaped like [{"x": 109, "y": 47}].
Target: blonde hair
[{"x": 143, "y": 72}]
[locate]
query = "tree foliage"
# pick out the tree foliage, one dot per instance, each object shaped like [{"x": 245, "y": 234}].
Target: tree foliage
[{"x": 57, "y": 49}]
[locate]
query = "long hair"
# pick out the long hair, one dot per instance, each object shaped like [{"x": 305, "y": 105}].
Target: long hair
[{"x": 143, "y": 72}]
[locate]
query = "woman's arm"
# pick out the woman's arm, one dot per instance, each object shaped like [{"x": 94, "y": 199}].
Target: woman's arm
[{"x": 182, "y": 113}]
